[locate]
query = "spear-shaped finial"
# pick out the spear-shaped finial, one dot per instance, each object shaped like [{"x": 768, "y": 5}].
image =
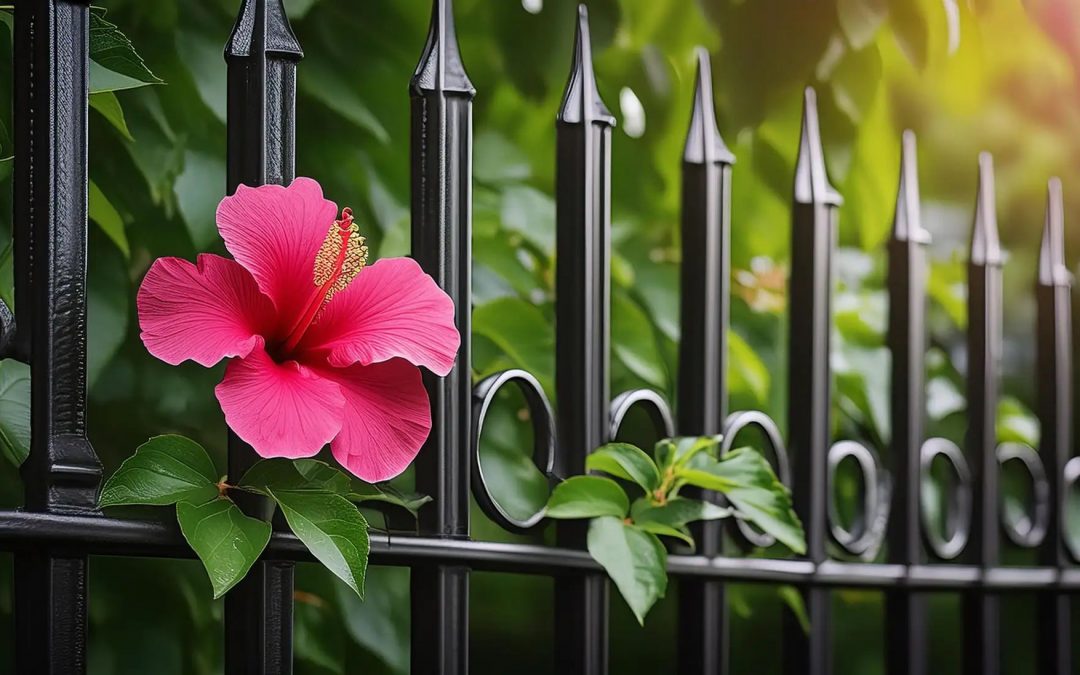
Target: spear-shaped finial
[
  {"x": 262, "y": 25},
  {"x": 907, "y": 224},
  {"x": 704, "y": 144},
  {"x": 441, "y": 68},
  {"x": 811, "y": 180},
  {"x": 985, "y": 244},
  {"x": 581, "y": 101},
  {"x": 1052, "y": 268}
]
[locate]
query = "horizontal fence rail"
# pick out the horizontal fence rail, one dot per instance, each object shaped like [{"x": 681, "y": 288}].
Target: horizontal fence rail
[{"x": 54, "y": 536}]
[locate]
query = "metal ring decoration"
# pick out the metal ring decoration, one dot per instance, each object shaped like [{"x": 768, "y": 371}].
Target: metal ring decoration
[
  {"x": 543, "y": 424},
  {"x": 735, "y": 423},
  {"x": 1029, "y": 531},
  {"x": 654, "y": 404},
  {"x": 868, "y": 532},
  {"x": 1069, "y": 483},
  {"x": 958, "y": 520}
]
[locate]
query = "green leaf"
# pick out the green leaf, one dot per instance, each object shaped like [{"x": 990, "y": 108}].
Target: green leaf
[
  {"x": 115, "y": 65},
  {"x": 410, "y": 501},
  {"x": 861, "y": 19},
  {"x": 635, "y": 561},
  {"x": 14, "y": 411},
  {"x": 625, "y": 461},
  {"x": 333, "y": 89},
  {"x": 689, "y": 447},
  {"x": 295, "y": 475},
  {"x": 227, "y": 542},
  {"x": 794, "y": 600},
  {"x": 587, "y": 497},
  {"x": 108, "y": 219},
  {"x": 522, "y": 332},
  {"x": 748, "y": 373},
  {"x": 634, "y": 341},
  {"x": 163, "y": 470},
  {"x": 663, "y": 530},
  {"x": 332, "y": 528},
  {"x": 106, "y": 103},
  {"x": 746, "y": 478},
  {"x": 677, "y": 512}
]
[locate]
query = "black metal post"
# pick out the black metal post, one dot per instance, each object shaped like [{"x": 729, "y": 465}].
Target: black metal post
[
  {"x": 905, "y": 611},
  {"x": 1055, "y": 400},
  {"x": 62, "y": 473},
  {"x": 706, "y": 275},
  {"x": 262, "y": 54},
  {"x": 442, "y": 243},
  {"x": 813, "y": 235},
  {"x": 583, "y": 224},
  {"x": 981, "y": 610}
]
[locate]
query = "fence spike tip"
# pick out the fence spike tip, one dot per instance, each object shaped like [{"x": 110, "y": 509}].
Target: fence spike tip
[
  {"x": 985, "y": 243},
  {"x": 581, "y": 100},
  {"x": 441, "y": 68},
  {"x": 811, "y": 179},
  {"x": 907, "y": 223},
  {"x": 277, "y": 37},
  {"x": 1052, "y": 268},
  {"x": 704, "y": 145}
]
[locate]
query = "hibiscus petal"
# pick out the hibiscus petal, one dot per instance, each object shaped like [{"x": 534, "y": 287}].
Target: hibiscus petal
[
  {"x": 203, "y": 312},
  {"x": 393, "y": 309},
  {"x": 387, "y": 418},
  {"x": 280, "y": 409},
  {"x": 275, "y": 232}
]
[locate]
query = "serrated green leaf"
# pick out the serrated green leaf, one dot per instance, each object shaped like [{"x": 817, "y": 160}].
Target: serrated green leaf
[
  {"x": 677, "y": 512},
  {"x": 295, "y": 475},
  {"x": 748, "y": 482},
  {"x": 625, "y": 461},
  {"x": 587, "y": 497},
  {"x": 14, "y": 411},
  {"x": 107, "y": 218},
  {"x": 227, "y": 542},
  {"x": 332, "y": 528},
  {"x": 164, "y": 470},
  {"x": 635, "y": 561},
  {"x": 115, "y": 63}
]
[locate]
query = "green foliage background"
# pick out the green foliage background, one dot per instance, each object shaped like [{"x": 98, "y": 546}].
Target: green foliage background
[{"x": 965, "y": 75}]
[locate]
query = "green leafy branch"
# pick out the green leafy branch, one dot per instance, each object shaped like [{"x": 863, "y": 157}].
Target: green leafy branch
[
  {"x": 318, "y": 501},
  {"x": 624, "y": 535}
]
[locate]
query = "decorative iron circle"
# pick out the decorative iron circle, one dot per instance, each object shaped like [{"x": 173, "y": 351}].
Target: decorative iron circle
[
  {"x": 958, "y": 518},
  {"x": 1029, "y": 530},
  {"x": 543, "y": 424},
  {"x": 1069, "y": 483},
  {"x": 868, "y": 530},
  {"x": 748, "y": 535},
  {"x": 653, "y": 403}
]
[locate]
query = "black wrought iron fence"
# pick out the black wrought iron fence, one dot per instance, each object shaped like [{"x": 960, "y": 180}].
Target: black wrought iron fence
[{"x": 58, "y": 530}]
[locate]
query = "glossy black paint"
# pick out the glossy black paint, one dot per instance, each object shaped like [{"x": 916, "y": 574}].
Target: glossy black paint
[
  {"x": 441, "y": 147},
  {"x": 262, "y": 54}
]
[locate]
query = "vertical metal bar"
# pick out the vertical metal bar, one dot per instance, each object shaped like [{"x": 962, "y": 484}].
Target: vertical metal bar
[
  {"x": 706, "y": 273},
  {"x": 262, "y": 54},
  {"x": 813, "y": 235},
  {"x": 62, "y": 473},
  {"x": 905, "y": 611},
  {"x": 583, "y": 224},
  {"x": 442, "y": 98},
  {"x": 981, "y": 610},
  {"x": 1055, "y": 399}
]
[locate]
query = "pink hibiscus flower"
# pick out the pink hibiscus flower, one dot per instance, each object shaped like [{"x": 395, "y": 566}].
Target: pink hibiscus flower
[{"x": 323, "y": 348}]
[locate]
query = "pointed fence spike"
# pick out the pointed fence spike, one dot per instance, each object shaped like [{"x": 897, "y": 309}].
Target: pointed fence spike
[
  {"x": 703, "y": 141},
  {"x": 581, "y": 101},
  {"x": 262, "y": 25},
  {"x": 1052, "y": 268},
  {"x": 441, "y": 67},
  {"x": 907, "y": 224},
  {"x": 811, "y": 180},
  {"x": 985, "y": 244}
]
